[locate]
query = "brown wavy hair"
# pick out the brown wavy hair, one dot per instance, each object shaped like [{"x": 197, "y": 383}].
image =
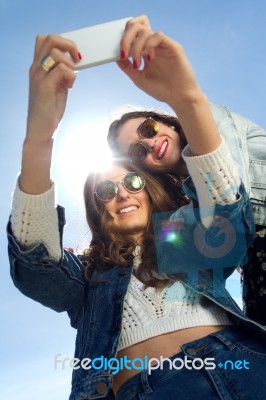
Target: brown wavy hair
[
  {"x": 174, "y": 179},
  {"x": 108, "y": 247}
]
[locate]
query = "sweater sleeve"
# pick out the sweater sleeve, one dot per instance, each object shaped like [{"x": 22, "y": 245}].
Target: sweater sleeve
[
  {"x": 34, "y": 220},
  {"x": 215, "y": 177}
]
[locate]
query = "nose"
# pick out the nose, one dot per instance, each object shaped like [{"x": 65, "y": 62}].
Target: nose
[
  {"x": 149, "y": 143},
  {"x": 122, "y": 193}
]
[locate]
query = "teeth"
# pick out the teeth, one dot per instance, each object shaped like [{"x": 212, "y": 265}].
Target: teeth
[
  {"x": 128, "y": 209},
  {"x": 162, "y": 149}
]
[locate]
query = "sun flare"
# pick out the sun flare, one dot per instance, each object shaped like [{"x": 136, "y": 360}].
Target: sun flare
[{"x": 80, "y": 152}]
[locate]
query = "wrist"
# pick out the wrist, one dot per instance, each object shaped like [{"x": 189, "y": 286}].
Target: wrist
[
  {"x": 190, "y": 104},
  {"x": 198, "y": 125},
  {"x": 37, "y": 146}
]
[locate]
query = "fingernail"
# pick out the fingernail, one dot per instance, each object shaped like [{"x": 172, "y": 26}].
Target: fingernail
[
  {"x": 135, "y": 65},
  {"x": 79, "y": 56},
  {"x": 69, "y": 85},
  {"x": 148, "y": 57},
  {"x": 122, "y": 55}
]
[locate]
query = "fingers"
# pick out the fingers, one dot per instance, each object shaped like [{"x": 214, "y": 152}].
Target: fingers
[
  {"x": 132, "y": 44},
  {"x": 60, "y": 76},
  {"x": 59, "y": 69},
  {"x": 45, "y": 43},
  {"x": 57, "y": 58},
  {"x": 142, "y": 19},
  {"x": 60, "y": 49},
  {"x": 126, "y": 67},
  {"x": 140, "y": 42}
]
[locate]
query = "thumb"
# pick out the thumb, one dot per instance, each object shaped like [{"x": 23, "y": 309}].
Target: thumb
[{"x": 127, "y": 67}]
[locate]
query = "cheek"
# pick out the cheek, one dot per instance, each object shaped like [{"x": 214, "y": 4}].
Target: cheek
[
  {"x": 148, "y": 163},
  {"x": 178, "y": 142},
  {"x": 124, "y": 140},
  {"x": 108, "y": 206},
  {"x": 107, "y": 213},
  {"x": 147, "y": 201}
]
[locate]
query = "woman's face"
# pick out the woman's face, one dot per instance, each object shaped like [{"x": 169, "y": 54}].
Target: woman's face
[
  {"x": 164, "y": 149},
  {"x": 130, "y": 211}
]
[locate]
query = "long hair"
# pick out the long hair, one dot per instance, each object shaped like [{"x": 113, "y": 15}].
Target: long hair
[
  {"x": 108, "y": 247},
  {"x": 174, "y": 179}
]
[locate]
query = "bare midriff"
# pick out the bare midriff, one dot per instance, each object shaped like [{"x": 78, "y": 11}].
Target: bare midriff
[{"x": 165, "y": 345}]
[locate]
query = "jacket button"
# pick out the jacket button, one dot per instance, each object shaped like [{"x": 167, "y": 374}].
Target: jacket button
[
  {"x": 191, "y": 352},
  {"x": 101, "y": 387}
]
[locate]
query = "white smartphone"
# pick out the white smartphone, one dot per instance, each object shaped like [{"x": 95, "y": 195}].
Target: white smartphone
[{"x": 98, "y": 44}]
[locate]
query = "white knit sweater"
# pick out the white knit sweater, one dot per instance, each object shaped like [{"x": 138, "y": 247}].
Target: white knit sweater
[{"x": 152, "y": 312}]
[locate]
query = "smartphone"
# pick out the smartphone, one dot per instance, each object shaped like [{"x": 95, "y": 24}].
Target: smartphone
[{"x": 98, "y": 44}]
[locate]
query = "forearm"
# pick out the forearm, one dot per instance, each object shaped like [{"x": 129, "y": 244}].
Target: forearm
[
  {"x": 197, "y": 122},
  {"x": 35, "y": 168}
]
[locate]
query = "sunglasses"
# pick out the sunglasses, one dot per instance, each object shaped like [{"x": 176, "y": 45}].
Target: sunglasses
[
  {"x": 138, "y": 152},
  {"x": 107, "y": 190}
]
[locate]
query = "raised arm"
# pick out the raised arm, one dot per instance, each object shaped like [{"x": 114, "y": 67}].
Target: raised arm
[
  {"x": 34, "y": 216},
  {"x": 38, "y": 267},
  {"x": 47, "y": 100},
  {"x": 168, "y": 76}
]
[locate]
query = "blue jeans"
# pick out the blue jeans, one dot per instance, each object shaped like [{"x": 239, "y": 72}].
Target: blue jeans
[{"x": 239, "y": 372}]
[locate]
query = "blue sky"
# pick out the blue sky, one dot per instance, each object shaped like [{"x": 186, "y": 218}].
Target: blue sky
[{"x": 225, "y": 41}]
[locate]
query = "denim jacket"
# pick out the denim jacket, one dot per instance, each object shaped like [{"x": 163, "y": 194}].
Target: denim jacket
[
  {"x": 247, "y": 142},
  {"x": 96, "y": 310}
]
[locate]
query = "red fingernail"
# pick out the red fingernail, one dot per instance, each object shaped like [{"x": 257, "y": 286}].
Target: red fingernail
[
  {"x": 69, "y": 85},
  {"x": 79, "y": 56},
  {"x": 135, "y": 65},
  {"x": 148, "y": 57},
  {"x": 122, "y": 55}
]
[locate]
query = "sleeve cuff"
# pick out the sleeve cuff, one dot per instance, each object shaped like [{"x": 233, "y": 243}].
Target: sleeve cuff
[{"x": 22, "y": 200}]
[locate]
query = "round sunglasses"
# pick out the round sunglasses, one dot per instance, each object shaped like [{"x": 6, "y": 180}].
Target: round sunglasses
[
  {"x": 107, "y": 190},
  {"x": 138, "y": 152}
]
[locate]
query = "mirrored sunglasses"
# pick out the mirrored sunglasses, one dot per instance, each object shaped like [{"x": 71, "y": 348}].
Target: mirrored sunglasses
[
  {"x": 107, "y": 190},
  {"x": 138, "y": 151}
]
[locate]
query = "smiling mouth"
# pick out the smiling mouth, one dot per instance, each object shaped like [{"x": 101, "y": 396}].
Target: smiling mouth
[
  {"x": 127, "y": 210},
  {"x": 162, "y": 149}
]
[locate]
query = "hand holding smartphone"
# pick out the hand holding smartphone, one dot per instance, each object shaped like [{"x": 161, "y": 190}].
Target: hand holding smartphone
[{"x": 98, "y": 44}]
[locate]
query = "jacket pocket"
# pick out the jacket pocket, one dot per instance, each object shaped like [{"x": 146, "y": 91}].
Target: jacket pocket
[{"x": 257, "y": 173}]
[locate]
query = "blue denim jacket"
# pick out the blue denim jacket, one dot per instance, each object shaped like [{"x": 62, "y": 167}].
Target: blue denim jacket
[
  {"x": 247, "y": 142},
  {"x": 95, "y": 310}
]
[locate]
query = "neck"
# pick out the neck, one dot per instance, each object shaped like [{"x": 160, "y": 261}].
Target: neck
[
  {"x": 180, "y": 169},
  {"x": 138, "y": 239}
]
